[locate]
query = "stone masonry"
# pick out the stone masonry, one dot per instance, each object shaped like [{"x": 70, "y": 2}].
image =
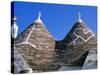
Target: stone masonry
[{"x": 43, "y": 53}]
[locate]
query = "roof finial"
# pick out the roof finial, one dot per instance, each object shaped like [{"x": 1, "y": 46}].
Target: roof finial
[
  {"x": 79, "y": 17},
  {"x": 14, "y": 18},
  {"x": 39, "y": 18}
]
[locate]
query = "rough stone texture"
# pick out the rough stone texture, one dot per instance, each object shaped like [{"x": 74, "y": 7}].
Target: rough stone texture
[
  {"x": 42, "y": 56},
  {"x": 73, "y": 46},
  {"x": 43, "y": 53}
]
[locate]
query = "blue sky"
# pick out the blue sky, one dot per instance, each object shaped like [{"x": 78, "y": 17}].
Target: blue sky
[{"x": 58, "y": 18}]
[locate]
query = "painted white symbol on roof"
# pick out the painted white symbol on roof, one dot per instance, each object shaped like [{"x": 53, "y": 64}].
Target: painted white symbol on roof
[{"x": 79, "y": 33}]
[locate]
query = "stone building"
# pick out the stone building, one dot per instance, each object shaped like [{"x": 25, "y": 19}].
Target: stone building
[
  {"x": 41, "y": 52},
  {"x": 79, "y": 41}
]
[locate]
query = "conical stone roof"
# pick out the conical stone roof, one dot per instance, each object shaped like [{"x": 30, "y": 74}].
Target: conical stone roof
[
  {"x": 78, "y": 41},
  {"x": 43, "y": 53},
  {"x": 37, "y": 47}
]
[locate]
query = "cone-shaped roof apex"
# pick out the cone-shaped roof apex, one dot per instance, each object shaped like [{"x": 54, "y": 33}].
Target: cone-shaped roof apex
[
  {"x": 79, "y": 18},
  {"x": 39, "y": 18}
]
